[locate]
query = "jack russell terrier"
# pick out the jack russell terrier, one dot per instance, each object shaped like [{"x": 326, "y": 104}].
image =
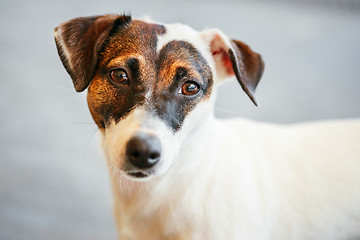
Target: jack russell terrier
[{"x": 179, "y": 173}]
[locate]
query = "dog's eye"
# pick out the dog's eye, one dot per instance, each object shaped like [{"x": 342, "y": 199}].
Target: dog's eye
[
  {"x": 190, "y": 88},
  {"x": 119, "y": 76}
]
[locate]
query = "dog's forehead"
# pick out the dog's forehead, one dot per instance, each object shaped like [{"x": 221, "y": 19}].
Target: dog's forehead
[
  {"x": 145, "y": 40},
  {"x": 180, "y": 32}
]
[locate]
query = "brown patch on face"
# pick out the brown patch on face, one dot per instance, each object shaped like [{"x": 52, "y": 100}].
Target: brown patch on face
[
  {"x": 123, "y": 49},
  {"x": 178, "y": 63},
  {"x": 133, "y": 48}
]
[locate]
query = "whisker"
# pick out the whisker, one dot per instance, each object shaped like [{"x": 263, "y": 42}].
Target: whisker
[{"x": 93, "y": 131}]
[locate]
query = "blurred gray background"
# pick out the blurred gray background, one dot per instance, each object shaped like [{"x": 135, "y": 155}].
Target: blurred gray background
[{"x": 53, "y": 178}]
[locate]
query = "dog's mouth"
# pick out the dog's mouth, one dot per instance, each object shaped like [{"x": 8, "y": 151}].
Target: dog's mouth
[{"x": 138, "y": 174}]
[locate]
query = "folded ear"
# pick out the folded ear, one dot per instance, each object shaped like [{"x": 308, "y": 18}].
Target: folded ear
[
  {"x": 234, "y": 58},
  {"x": 79, "y": 41}
]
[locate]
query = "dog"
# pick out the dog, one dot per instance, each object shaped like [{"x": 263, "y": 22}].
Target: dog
[{"x": 179, "y": 173}]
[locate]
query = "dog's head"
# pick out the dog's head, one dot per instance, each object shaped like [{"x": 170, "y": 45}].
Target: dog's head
[{"x": 149, "y": 85}]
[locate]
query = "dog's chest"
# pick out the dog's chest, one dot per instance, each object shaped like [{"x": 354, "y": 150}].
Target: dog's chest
[{"x": 150, "y": 217}]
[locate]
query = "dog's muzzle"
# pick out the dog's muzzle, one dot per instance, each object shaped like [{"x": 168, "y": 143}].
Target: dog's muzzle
[{"x": 143, "y": 151}]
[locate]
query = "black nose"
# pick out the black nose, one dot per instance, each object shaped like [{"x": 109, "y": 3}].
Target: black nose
[{"x": 143, "y": 150}]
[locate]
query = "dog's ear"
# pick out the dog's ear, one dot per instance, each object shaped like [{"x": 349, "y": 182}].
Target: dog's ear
[
  {"x": 234, "y": 58},
  {"x": 79, "y": 41}
]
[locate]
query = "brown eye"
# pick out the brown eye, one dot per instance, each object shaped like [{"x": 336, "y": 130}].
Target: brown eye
[
  {"x": 190, "y": 88},
  {"x": 119, "y": 76}
]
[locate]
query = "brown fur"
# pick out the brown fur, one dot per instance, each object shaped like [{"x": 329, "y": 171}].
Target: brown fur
[
  {"x": 248, "y": 67},
  {"x": 83, "y": 38}
]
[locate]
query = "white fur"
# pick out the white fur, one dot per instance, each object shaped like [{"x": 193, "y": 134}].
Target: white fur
[{"x": 237, "y": 179}]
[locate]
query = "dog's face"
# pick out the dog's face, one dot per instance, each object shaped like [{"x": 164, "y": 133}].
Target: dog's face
[{"x": 150, "y": 86}]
